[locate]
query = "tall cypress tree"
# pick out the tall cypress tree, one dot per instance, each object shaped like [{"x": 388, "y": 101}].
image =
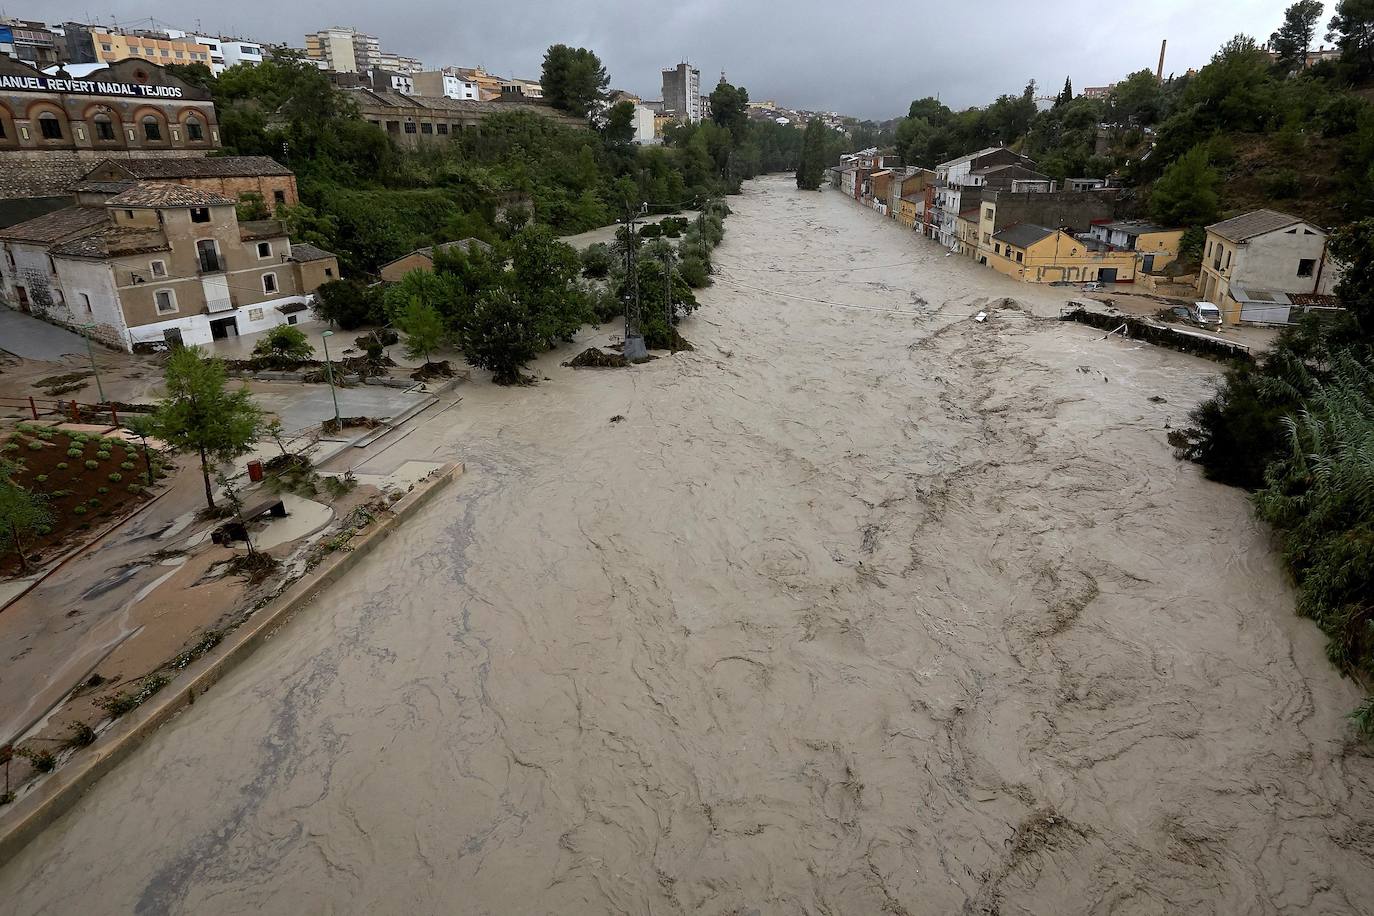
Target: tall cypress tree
[
  {"x": 1065, "y": 94},
  {"x": 812, "y": 163}
]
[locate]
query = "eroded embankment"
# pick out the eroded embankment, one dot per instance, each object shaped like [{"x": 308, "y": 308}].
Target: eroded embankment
[{"x": 863, "y": 607}]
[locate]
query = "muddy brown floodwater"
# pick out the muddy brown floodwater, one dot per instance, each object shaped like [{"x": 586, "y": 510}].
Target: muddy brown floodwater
[{"x": 865, "y": 608}]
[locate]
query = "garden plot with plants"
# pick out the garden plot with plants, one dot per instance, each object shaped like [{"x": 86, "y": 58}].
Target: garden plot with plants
[{"x": 82, "y": 481}]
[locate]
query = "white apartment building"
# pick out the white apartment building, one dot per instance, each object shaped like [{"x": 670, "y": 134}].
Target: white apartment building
[
  {"x": 645, "y": 133},
  {"x": 447, "y": 83},
  {"x": 224, "y": 52}
]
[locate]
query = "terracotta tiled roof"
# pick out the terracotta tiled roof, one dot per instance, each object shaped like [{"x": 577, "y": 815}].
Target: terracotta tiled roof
[
  {"x": 304, "y": 251},
  {"x": 174, "y": 167},
  {"x": 57, "y": 226},
  {"x": 1023, "y": 235},
  {"x": 51, "y": 176},
  {"x": 113, "y": 241},
  {"x": 166, "y": 194},
  {"x": 102, "y": 187},
  {"x": 1256, "y": 222}
]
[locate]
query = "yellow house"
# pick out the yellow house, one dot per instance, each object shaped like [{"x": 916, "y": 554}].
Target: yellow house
[
  {"x": 909, "y": 209},
  {"x": 1156, "y": 246},
  {"x": 966, "y": 230},
  {"x": 111, "y": 47},
  {"x": 1035, "y": 254}
]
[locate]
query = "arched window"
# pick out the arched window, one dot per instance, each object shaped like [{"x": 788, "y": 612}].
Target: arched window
[
  {"x": 49, "y": 128},
  {"x": 195, "y": 130},
  {"x": 152, "y": 129},
  {"x": 104, "y": 128}
]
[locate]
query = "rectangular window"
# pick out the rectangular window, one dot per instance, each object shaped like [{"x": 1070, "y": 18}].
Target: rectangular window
[
  {"x": 194, "y": 131},
  {"x": 200, "y": 214},
  {"x": 393, "y": 126},
  {"x": 987, "y": 214},
  {"x": 255, "y": 314},
  {"x": 997, "y": 249},
  {"x": 152, "y": 130},
  {"x": 443, "y": 128},
  {"x": 426, "y": 128},
  {"x": 2, "y": 130},
  {"x": 1228, "y": 260},
  {"x": 329, "y": 271},
  {"x": 50, "y": 127},
  {"x": 264, "y": 250},
  {"x": 1306, "y": 266},
  {"x": 165, "y": 302},
  {"x": 1018, "y": 257},
  {"x": 105, "y": 47},
  {"x": 180, "y": 54},
  {"x": 104, "y": 129},
  {"x": 279, "y": 196},
  {"x": 410, "y": 127},
  {"x": 159, "y": 268},
  {"x": 269, "y": 283}
]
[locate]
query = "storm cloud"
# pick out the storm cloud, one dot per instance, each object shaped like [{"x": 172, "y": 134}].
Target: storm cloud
[{"x": 867, "y": 60}]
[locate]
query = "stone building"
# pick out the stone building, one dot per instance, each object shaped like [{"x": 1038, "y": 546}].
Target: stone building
[
  {"x": 54, "y": 129},
  {"x": 412, "y": 120},
  {"x": 238, "y": 177},
  {"x": 160, "y": 262}
]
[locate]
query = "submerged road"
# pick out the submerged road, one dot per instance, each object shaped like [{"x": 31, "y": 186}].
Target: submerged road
[{"x": 864, "y": 607}]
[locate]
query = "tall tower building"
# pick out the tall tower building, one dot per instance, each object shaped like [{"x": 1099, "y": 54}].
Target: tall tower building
[{"x": 682, "y": 93}]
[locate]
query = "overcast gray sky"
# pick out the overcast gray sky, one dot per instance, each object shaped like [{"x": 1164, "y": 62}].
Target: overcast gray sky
[{"x": 867, "y": 60}]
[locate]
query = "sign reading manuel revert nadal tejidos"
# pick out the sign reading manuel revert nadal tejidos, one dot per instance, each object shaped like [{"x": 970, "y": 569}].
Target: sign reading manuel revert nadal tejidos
[{"x": 88, "y": 87}]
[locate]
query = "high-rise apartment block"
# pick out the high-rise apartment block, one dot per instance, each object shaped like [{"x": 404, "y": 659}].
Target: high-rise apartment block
[
  {"x": 346, "y": 50},
  {"x": 682, "y": 93}
]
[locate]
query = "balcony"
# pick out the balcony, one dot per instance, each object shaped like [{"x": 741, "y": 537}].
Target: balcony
[{"x": 222, "y": 304}]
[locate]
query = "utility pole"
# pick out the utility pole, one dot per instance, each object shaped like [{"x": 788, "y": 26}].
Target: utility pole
[{"x": 634, "y": 338}]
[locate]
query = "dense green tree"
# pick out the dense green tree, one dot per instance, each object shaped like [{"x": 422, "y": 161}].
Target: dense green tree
[
  {"x": 543, "y": 277},
  {"x": 1293, "y": 38},
  {"x": 812, "y": 166},
  {"x": 619, "y": 128},
  {"x": 347, "y": 303},
  {"x": 1352, "y": 247},
  {"x": 283, "y": 345},
  {"x": 1352, "y": 28},
  {"x": 1138, "y": 98},
  {"x": 730, "y": 108},
  {"x": 21, "y": 512},
  {"x": 574, "y": 80},
  {"x": 423, "y": 327},
  {"x": 199, "y": 415},
  {"x": 1186, "y": 194},
  {"x": 501, "y": 337},
  {"x": 1065, "y": 95}
]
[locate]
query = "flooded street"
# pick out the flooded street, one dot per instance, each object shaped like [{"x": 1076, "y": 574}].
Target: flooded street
[{"x": 864, "y": 607}]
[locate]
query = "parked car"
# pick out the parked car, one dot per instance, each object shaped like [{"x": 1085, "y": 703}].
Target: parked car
[
  {"x": 1205, "y": 314},
  {"x": 1093, "y": 287}
]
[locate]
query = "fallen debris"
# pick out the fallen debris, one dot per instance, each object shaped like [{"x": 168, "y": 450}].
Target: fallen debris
[{"x": 594, "y": 358}]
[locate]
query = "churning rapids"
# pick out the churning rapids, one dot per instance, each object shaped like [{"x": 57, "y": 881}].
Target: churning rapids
[{"x": 864, "y": 608}]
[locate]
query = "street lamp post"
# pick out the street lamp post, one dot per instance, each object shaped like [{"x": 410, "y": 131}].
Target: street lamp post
[
  {"x": 329, "y": 374},
  {"x": 94, "y": 368}
]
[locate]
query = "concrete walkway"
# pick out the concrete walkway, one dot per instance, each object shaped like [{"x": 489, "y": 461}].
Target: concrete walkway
[{"x": 28, "y": 338}]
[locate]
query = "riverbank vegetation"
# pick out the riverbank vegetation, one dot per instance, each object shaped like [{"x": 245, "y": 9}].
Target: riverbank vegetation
[{"x": 1297, "y": 430}]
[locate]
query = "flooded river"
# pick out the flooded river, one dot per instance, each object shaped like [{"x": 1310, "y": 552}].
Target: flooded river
[{"x": 864, "y": 607}]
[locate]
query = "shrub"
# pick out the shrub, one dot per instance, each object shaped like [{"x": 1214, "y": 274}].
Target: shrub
[
  {"x": 283, "y": 345},
  {"x": 74, "y": 453},
  {"x": 94, "y": 502},
  {"x": 42, "y": 478},
  {"x": 651, "y": 231},
  {"x": 46, "y": 435},
  {"x": 34, "y": 445},
  {"x": 116, "y": 477},
  {"x": 103, "y": 456},
  {"x": 91, "y": 465},
  {"x": 597, "y": 261},
  {"x": 61, "y": 465},
  {"x": 135, "y": 488},
  {"x": 126, "y": 465},
  {"x": 79, "y": 510},
  {"x": 695, "y": 272},
  {"x": 102, "y": 490},
  {"x": 11, "y": 446}
]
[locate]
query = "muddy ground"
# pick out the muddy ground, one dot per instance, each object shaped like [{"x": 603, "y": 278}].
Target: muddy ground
[{"x": 865, "y": 607}]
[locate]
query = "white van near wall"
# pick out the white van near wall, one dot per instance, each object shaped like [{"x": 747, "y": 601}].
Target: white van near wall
[{"x": 1205, "y": 314}]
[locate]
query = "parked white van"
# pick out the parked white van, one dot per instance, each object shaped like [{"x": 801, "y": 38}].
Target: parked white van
[{"x": 1206, "y": 314}]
